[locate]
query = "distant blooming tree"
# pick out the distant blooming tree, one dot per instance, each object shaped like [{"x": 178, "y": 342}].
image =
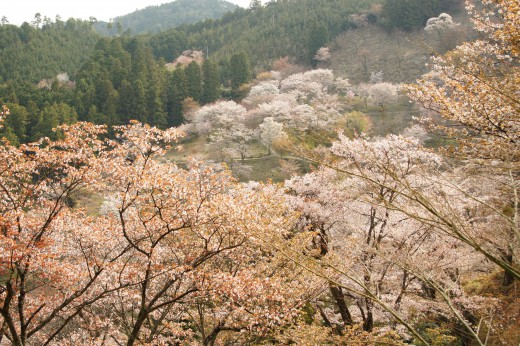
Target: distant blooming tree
[
  {"x": 376, "y": 77},
  {"x": 322, "y": 55},
  {"x": 382, "y": 93},
  {"x": 224, "y": 123},
  {"x": 359, "y": 20},
  {"x": 223, "y": 114},
  {"x": 262, "y": 93},
  {"x": 444, "y": 29},
  {"x": 378, "y": 94},
  {"x": 278, "y": 108},
  {"x": 302, "y": 117},
  {"x": 301, "y": 101},
  {"x": 440, "y": 24},
  {"x": 309, "y": 84},
  {"x": 270, "y": 130},
  {"x": 342, "y": 85},
  {"x": 4, "y": 112},
  {"x": 264, "y": 88}
]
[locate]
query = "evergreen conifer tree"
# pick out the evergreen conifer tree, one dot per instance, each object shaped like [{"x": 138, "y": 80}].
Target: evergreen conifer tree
[
  {"x": 240, "y": 70},
  {"x": 211, "y": 86},
  {"x": 177, "y": 92},
  {"x": 194, "y": 81},
  {"x": 318, "y": 37}
]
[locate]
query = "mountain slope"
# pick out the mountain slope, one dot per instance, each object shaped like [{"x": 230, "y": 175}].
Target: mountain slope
[
  {"x": 33, "y": 53},
  {"x": 280, "y": 28},
  {"x": 295, "y": 28},
  {"x": 170, "y": 15}
]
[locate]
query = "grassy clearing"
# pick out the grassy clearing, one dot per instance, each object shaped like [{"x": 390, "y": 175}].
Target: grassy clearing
[
  {"x": 267, "y": 168},
  {"x": 191, "y": 147},
  {"x": 89, "y": 201}
]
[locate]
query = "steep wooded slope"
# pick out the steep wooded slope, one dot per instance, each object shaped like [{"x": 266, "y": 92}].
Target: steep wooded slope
[{"x": 169, "y": 15}]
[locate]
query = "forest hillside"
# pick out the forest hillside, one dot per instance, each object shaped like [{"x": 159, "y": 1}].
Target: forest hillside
[
  {"x": 166, "y": 16},
  {"x": 44, "y": 48}
]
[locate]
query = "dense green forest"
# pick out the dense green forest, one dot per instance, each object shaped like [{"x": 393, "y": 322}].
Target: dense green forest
[
  {"x": 298, "y": 28},
  {"x": 411, "y": 14},
  {"x": 44, "y": 48},
  {"x": 121, "y": 78},
  {"x": 121, "y": 81},
  {"x": 166, "y": 16},
  {"x": 281, "y": 28}
]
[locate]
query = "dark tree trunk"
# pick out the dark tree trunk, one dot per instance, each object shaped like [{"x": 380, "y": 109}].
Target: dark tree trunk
[
  {"x": 429, "y": 291},
  {"x": 137, "y": 328},
  {"x": 368, "y": 324},
  {"x": 326, "y": 321},
  {"x": 339, "y": 297},
  {"x": 508, "y": 278},
  {"x": 212, "y": 337}
]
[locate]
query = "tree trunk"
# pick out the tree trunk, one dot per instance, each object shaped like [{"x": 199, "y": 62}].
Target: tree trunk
[
  {"x": 508, "y": 278},
  {"x": 429, "y": 291},
  {"x": 5, "y": 313},
  {"x": 368, "y": 323},
  {"x": 212, "y": 337},
  {"x": 338, "y": 296},
  {"x": 132, "y": 338},
  {"x": 326, "y": 321}
]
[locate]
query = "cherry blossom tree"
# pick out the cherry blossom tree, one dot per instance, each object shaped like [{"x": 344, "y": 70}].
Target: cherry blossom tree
[
  {"x": 308, "y": 85},
  {"x": 376, "y": 77},
  {"x": 399, "y": 258},
  {"x": 475, "y": 91},
  {"x": 270, "y": 131},
  {"x": 279, "y": 108},
  {"x": 444, "y": 22},
  {"x": 187, "y": 246},
  {"x": 160, "y": 250},
  {"x": 302, "y": 117},
  {"x": 225, "y": 124},
  {"x": 322, "y": 55},
  {"x": 264, "y": 88},
  {"x": 485, "y": 105},
  {"x": 382, "y": 93},
  {"x": 342, "y": 86},
  {"x": 55, "y": 262},
  {"x": 218, "y": 115},
  {"x": 302, "y": 101}
]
